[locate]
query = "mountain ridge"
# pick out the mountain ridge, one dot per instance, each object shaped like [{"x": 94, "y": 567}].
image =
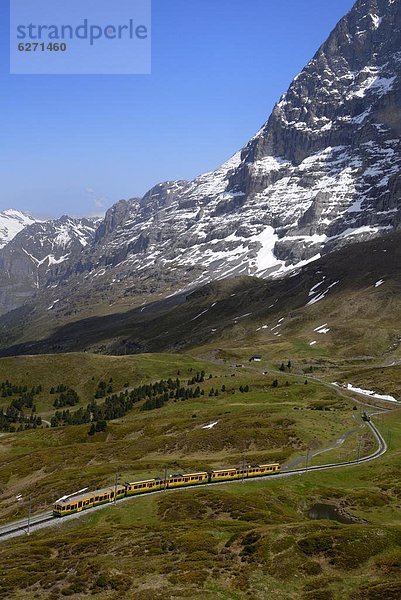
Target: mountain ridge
[
  {"x": 37, "y": 250},
  {"x": 323, "y": 172}
]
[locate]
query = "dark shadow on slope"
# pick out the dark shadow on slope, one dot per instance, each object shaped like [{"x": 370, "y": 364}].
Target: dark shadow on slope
[{"x": 196, "y": 318}]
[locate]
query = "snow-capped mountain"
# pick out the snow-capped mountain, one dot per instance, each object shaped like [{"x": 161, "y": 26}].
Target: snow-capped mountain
[
  {"x": 324, "y": 171},
  {"x": 12, "y": 222},
  {"x": 27, "y": 261}
]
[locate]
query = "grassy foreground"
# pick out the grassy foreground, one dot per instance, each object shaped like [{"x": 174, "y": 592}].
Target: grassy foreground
[
  {"x": 251, "y": 540},
  {"x": 235, "y": 542}
]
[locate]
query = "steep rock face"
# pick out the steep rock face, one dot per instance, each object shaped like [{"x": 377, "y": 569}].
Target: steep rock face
[
  {"x": 323, "y": 171},
  {"x": 337, "y": 135},
  {"x": 36, "y": 252}
]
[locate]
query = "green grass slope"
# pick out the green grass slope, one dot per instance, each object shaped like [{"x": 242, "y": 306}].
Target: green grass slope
[
  {"x": 263, "y": 424},
  {"x": 83, "y": 371},
  {"x": 242, "y": 541}
]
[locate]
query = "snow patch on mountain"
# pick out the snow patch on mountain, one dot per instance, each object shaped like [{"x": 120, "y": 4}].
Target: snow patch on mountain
[
  {"x": 11, "y": 223},
  {"x": 370, "y": 393},
  {"x": 322, "y": 329},
  {"x": 53, "y": 242},
  {"x": 322, "y": 295},
  {"x": 210, "y": 425},
  {"x": 376, "y": 21}
]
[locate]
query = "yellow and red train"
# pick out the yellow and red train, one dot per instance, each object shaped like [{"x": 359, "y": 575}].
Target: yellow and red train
[{"x": 84, "y": 501}]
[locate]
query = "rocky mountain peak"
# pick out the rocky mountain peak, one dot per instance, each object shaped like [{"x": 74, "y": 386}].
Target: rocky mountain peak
[
  {"x": 354, "y": 69},
  {"x": 11, "y": 223},
  {"x": 115, "y": 216},
  {"x": 324, "y": 171}
]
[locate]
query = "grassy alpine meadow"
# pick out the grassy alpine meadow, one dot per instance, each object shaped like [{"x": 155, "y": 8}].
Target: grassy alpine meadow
[
  {"x": 83, "y": 371},
  {"x": 252, "y": 421},
  {"x": 239, "y": 541}
]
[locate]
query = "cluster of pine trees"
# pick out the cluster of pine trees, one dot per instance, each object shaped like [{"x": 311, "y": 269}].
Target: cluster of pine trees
[
  {"x": 8, "y": 389},
  {"x": 97, "y": 427},
  {"x": 104, "y": 388},
  {"x": 69, "y": 397},
  {"x": 66, "y": 417},
  {"x": 177, "y": 393},
  {"x": 199, "y": 378},
  {"x": 14, "y": 417},
  {"x": 59, "y": 389},
  {"x": 118, "y": 405},
  {"x": 12, "y": 420},
  {"x": 154, "y": 395}
]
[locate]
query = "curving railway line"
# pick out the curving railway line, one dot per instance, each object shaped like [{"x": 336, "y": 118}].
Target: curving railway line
[{"x": 46, "y": 519}]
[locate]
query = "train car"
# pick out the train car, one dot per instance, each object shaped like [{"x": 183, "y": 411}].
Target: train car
[
  {"x": 224, "y": 475},
  {"x": 185, "y": 479},
  {"x": 79, "y": 502},
  {"x": 143, "y": 487},
  {"x": 262, "y": 470},
  {"x": 243, "y": 472},
  {"x": 270, "y": 468}
]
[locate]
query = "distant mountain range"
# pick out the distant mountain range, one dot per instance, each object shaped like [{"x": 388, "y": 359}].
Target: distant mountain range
[{"x": 322, "y": 173}]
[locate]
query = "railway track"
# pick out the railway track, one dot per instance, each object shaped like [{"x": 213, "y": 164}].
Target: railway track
[
  {"x": 38, "y": 521},
  {"x": 22, "y": 525}
]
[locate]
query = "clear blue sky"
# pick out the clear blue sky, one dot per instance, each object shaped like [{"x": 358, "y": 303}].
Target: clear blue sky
[{"x": 218, "y": 68}]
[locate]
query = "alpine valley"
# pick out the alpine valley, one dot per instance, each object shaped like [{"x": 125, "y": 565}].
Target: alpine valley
[{"x": 213, "y": 331}]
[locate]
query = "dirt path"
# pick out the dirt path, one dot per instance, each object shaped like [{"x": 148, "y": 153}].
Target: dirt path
[{"x": 298, "y": 461}]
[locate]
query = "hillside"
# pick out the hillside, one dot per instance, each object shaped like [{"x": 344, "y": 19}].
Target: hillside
[
  {"x": 237, "y": 542},
  {"x": 224, "y": 542},
  {"x": 345, "y": 292}
]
